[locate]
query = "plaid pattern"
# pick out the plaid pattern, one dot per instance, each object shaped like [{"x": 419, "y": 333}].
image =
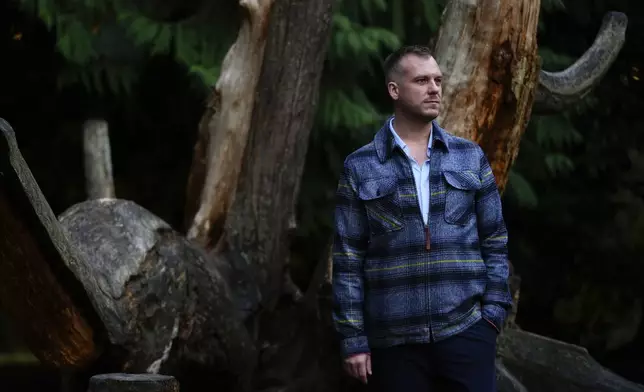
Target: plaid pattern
[{"x": 389, "y": 290}]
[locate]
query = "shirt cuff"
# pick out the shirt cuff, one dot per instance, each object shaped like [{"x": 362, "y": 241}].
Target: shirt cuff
[
  {"x": 495, "y": 315},
  {"x": 355, "y": 345}
]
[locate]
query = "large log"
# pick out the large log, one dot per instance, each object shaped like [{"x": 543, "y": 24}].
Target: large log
[
  {"x": 547, "y": 365},
  {"x": 38, "y": 291},
  {"x": 164, "y": 303}
]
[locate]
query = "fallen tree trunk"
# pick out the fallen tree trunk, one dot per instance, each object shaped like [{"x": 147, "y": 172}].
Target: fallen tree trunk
[
  {"x": 163, "y": 301},
  {"x": 548, "y": 365}
]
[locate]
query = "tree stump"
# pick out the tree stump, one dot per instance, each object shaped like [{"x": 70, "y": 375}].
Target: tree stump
[{"x": 125, "y": 382}]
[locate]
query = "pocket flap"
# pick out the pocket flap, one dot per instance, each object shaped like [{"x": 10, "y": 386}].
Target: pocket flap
[
  {"x": 377, "y": 188},
  {"x": 464, "y": 180}
]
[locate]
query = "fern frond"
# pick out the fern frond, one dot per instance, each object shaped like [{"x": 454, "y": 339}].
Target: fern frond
[{"x": 520, "y": 189}]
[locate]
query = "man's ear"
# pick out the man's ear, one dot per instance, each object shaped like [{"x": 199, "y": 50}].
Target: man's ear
[{"x": 392, "y": 88}]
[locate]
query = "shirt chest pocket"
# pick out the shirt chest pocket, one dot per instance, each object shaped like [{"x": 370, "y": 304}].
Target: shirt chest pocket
[
  {"x": 382, "y": 203},
  {"x": 460, "y": 193}
]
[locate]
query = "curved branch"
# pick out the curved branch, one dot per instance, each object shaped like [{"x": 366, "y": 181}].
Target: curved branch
[{"x": 558, "y": 90}]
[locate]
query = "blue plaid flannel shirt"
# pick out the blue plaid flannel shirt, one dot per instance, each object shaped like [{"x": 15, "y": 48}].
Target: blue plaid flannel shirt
[{"x": 387, "y": 288}]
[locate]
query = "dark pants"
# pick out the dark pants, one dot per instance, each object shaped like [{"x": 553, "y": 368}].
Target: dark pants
[{"x": 464, "y": 362}]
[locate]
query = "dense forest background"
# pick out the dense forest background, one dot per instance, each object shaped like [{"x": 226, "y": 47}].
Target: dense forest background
[{"x": 575, "y": 197}]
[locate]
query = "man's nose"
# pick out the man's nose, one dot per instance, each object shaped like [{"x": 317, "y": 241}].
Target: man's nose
[{"x": 433, "y": 88}]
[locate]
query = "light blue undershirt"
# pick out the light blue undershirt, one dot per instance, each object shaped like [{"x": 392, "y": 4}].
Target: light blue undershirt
[{"x": 421, "y": 173}]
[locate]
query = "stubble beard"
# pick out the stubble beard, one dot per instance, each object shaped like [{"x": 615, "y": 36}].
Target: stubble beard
[{"x": 416, "y": 114}]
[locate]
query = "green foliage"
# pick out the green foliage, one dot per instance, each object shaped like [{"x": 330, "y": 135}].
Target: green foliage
[
  {"x": 107, "y": 42},
  {"x": 520, "y": 189}
]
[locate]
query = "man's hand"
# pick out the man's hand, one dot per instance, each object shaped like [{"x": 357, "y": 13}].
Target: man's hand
[{"x": 358, "y": 366}]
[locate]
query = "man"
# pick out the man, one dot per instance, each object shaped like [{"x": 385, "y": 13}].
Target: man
[{"x": 420, "y": 253}]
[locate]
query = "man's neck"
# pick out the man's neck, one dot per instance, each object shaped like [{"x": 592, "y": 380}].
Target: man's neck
[{"x": 411, "y": 131}]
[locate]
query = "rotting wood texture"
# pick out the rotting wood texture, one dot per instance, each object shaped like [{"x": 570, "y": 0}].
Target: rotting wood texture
[
  {"x": 224, "y": 127},
  {"x": 493, "y": 77},
  {"x": 491, "y": 69}
]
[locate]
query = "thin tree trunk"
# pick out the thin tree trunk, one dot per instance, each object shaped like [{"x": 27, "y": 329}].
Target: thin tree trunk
[
  {"x": 491, "y": 67},
  {"x": 223, "y": 130},
  {"x": 98, "y": 160},
  {"x": 287, "y": 94}
]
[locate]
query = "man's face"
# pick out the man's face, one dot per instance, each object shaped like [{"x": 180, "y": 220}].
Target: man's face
[{"x": 416, "y": 89}]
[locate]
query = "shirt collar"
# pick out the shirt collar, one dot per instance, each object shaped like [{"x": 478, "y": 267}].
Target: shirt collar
[{"x": 401, "y": 143}]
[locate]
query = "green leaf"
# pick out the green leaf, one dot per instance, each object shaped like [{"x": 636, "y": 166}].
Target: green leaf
[
  {"x": 520, "y": 189},
  {"x": 162, "y": 41},
  {"x": 559, "y": 164}
]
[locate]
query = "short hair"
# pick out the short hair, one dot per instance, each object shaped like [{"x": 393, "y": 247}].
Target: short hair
[{"x": 391, "y": 64}]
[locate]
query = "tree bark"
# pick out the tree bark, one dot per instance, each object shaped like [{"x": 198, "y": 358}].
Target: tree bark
[
  {"x": 491, "y": 69},
  {"x": 165, "y": 304},
  {"x": 545, "y": 364},
  {"x": 223, "y": 130},
  {"x": 557, "y": 91},
  {"x": 163, "y": 300},
  {"x": 287, "y": 95},
  {"x": 98, "y": 160},
  {"x": 493, "y": 76}
]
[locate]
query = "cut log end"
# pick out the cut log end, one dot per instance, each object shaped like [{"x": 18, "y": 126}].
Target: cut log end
[
  {"x": 124, "y": 382},
  {"x": 155, "y": 283},
  {"x": 557, "y": 91}
]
